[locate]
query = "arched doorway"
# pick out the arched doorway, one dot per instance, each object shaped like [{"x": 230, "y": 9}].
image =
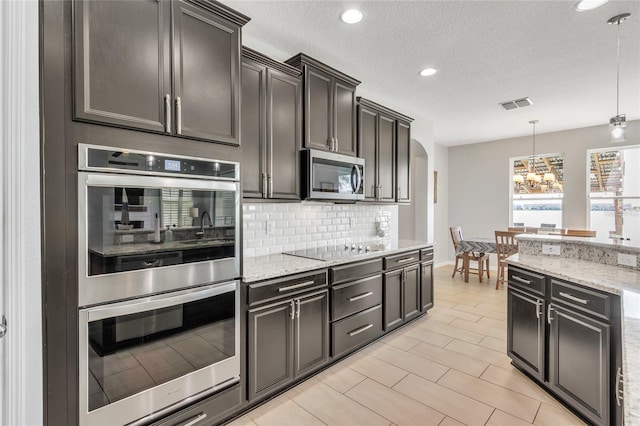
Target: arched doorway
[{"x": 412, "y": 218}]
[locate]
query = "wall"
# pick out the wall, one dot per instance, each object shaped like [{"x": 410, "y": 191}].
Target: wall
[
  {"x": 479, "y": 179},
  {"x": 442, "y": 238},
  {"x": 412, "y": 218},
  {"x": 270, "y": 228}
]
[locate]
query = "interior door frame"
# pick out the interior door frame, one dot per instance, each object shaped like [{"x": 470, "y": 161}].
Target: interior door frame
[{"x": 21, "y": 348}]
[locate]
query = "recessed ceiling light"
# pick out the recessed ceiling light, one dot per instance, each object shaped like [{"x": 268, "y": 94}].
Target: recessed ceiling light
[
  {"x": 351, "y": 16},
  {"x": 428, "y": 71},
  {"x": 583, "y": 5}
]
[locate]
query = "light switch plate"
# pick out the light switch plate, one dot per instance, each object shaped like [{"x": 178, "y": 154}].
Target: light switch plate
[
  {"x": 627, "y": 260},
  {"x": 553, "y": 249}
]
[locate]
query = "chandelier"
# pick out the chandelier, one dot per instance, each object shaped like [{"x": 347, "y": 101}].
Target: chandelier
[
  {"x": 618, "y": 124},
  {"x": 533, "y": 180}
]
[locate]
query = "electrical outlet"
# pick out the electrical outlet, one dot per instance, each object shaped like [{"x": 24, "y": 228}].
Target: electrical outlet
[
  {"x": 352, "y": 222},
  {"x": 127, "y": 238},
  {"x": 627, "y": 260},
  {"x": 552, "y": 249},
  {"x": 269, "y": 226}
]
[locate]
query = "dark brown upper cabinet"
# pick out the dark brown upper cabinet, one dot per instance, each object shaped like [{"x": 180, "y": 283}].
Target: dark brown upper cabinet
[
  {"x": 271, "y": 128},
  {"x": 329, "y": 106},
  {"x": 170, "y": 67},
  {"x": 382, "y": 144}
]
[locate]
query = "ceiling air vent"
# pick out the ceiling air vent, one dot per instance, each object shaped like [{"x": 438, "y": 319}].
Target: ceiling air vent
[{"x": 516, "y": 103}]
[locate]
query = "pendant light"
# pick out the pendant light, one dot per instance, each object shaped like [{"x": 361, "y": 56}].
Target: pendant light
[
  {"x": 618, "y": 124},
  {"x": 533, "y": 179}
]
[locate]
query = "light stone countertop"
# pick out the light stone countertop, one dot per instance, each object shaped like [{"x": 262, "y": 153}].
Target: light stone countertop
[
  {"x": 260, "y": 268},
  {"x": 142, "y": 248},
  {"x": 622, "y": 281},
  {"x": 610, "y": 243}
]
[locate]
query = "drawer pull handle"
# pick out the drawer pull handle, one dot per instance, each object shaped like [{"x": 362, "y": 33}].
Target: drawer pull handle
[
  {"x": 153, "y": 263},
  {"x": 197, "y": 419},
  {"x": 549, "y": 318},
  {"x": 292, "y": 315},
  {"x": 360, "y": 296},
  {"x": 407, "y": 259},
  {"x": 293, "y": 287},
  {"x": 521, "y": 280},
  {"x": 538, "y": 310},
  {"x": 298, "y": 308},
  {"x": 619, "y": 392},
  {"x": 360, "y": 330},
  {"x": 575, "y": 299}
]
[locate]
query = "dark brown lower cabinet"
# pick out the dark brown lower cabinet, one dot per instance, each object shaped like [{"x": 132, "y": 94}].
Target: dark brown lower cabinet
[
  {"x": 579, "y": 361},
  {"x": 411, "y": 289},
  {"x": 426, "y": 286},
  {"x": 401, "y": 296},
  {"x": 567, "y": 338},
  {"x": 286, "y": 339}
]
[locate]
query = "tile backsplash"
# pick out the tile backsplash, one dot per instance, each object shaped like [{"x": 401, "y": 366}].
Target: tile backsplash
[{"x": 270, "y": 228}]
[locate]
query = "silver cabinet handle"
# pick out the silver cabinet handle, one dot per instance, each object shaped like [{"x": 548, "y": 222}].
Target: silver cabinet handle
[
  {"x": 330, "y": 144},
  {"x": 265, "y": 191},
  {"x": 270, "y": 186},
  {"x": 167, "y": 113},
  {"x": 360, "y": 296},
  {"x": 399, "y": 192},
  {"x": 336, "y": 144},
  {"x": 380, "y": 192},
  {"x": 549, "y": 319},
  {"x": 360, "y": 330},
  {"x": 197, "y": 419},
  {"x": 406, "y": 259},
  {"x": 619, "y": 392},
  {"x": 178, "y": 115},
  {"x": 298, "y": 308},
  {"x": 575, "y": 299},
  {"x": 293, "y": 310},
  {"x": 538, "y": 305},
  {"x": 152, "y": 263},
  {"x": 3, "y": 327},
  {"x": 521, "y": 280},
  {"x": 293, "y": 287}
]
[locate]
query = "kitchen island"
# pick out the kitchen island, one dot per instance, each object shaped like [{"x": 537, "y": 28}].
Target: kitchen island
[{"x": 592, "y": 263}]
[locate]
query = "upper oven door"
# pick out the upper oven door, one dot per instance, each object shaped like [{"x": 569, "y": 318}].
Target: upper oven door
[
  {"x": 141, "y": 235},
  {"x": 333, "y": 176}
]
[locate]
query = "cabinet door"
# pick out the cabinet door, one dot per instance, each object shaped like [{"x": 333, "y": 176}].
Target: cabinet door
[
  {"x": 367, "y": 136},
  {"x": 311, "y": 332},
  {"x": 579, "y": 361},
  {"x": 525, "y": 332},
  {"x": 318, "y": 98},
  {"x": 206, "y": 66},
  {"x": 403, "y": 159},
  {"x": 392, "y": 299},
  {"x": 270, "y": 344},
  {"x": 121, "y": 77},
  {"x": 254, "y": 146},
  {"x": 345, "y": 118},
  {"x": 283, "y": 135},
  {"x": 426, "y": 286},
  {"x": 386, "y": 158},
  {"x": 411, "y": 290}
]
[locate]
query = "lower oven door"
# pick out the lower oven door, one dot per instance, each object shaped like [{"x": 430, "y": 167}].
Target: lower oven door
[{"x": 143, "y": 357}]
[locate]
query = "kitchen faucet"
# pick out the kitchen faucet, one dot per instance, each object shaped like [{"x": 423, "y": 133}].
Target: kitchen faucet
[{"x": 201, "y": 232}]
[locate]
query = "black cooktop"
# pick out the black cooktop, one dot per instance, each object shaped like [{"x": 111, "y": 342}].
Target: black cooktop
[{"x": 338, "y": 252}]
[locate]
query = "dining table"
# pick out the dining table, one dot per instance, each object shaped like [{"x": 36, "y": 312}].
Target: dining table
[{"x": 474, "y": 245}]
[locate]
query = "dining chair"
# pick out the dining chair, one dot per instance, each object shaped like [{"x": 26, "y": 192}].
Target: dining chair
[
  {"x": 523, "y": 230},
  {"x": 518, "y": 224},
  {"x": 578, "y": 232},
  {"x": 506, "y": 245},
  {"x": 481, "y": 259}
]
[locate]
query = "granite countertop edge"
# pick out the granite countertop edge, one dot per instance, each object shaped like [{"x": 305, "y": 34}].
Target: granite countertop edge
[
  {"x": 610, "y": 243},
  {"x": 611, "y": 279},
  {"x": 260, "y": 268}
]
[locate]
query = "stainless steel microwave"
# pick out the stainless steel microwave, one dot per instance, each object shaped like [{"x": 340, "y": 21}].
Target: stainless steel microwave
[{"x": 331, "y": 176}]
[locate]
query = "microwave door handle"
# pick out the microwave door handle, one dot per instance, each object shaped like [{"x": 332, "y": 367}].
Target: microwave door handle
[{"x": 358, "y": 183}]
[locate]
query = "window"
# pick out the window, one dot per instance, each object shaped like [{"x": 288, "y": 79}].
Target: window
[
  {"x": 614, "y": 192},
  {"x": 175, "y": 207},
  {"x": 537, "y": 195}
]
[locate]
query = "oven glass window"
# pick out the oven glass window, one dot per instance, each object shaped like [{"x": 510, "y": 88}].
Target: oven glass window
[
  {"x": 137, "y": 228},
  {"x": 332, "y": 176},
  {"x": 133, "y": 353}
]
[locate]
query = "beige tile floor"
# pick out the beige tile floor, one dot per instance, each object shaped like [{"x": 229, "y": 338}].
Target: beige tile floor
[{"x": 447, "y": 368}]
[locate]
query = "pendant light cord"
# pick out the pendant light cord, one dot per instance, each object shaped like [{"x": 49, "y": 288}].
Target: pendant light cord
[{"x": 618, "y": 74}]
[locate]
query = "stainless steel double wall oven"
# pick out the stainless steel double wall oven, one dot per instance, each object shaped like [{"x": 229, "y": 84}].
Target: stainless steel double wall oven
[{"x": 158, "y": 282}]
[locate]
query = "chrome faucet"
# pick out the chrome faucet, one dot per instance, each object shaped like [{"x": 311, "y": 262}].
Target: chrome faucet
[{"x": 201, "y": 232}]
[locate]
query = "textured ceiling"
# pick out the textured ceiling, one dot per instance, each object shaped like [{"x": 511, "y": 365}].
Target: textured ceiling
[{"x": 486, "y": 52}]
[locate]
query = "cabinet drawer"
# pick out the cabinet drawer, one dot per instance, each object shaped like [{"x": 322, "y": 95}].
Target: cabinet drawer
[
  {"x": 401, "y": 260},
  {"x": 352, "y": 297},
  {"x": 526, "y": 280},
  {"x": 353, "y": 271},
  {"x": 356, "y": 330},
  {"x": 584, "y": 299},
  {"x": 426, "y": 254},
  {"x": 275, "y": 289}
]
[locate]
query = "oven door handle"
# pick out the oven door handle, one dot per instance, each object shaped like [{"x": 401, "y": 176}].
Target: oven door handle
[{"x": 159, "y": 301}]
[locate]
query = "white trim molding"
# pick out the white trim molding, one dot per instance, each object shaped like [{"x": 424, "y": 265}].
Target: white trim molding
[{"x": 21, "y": 390}]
